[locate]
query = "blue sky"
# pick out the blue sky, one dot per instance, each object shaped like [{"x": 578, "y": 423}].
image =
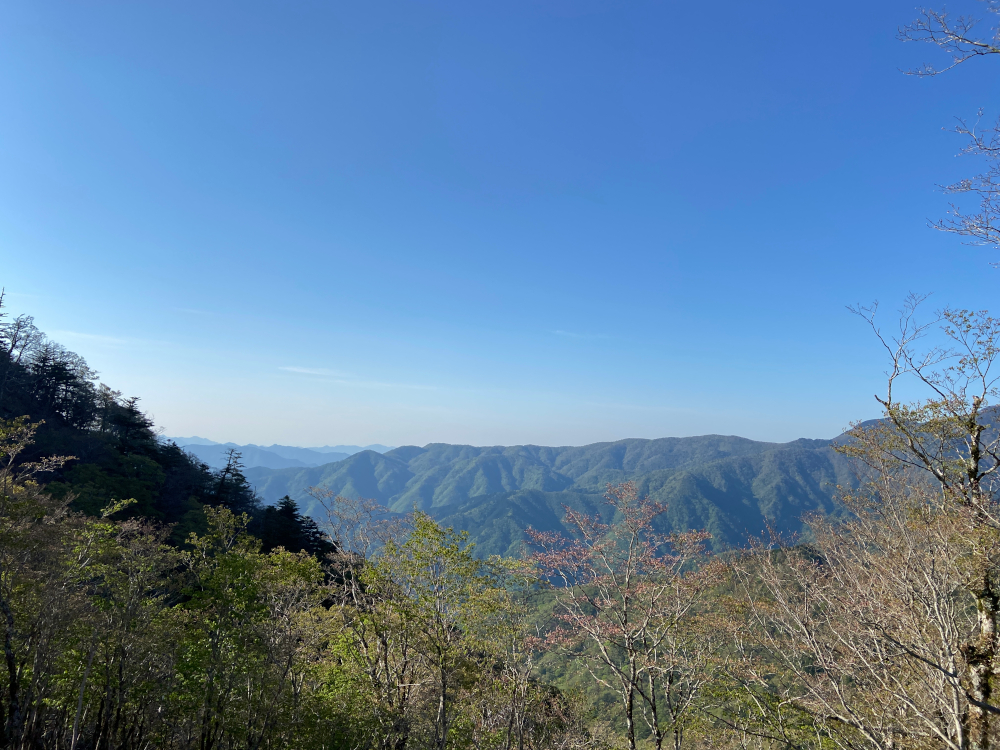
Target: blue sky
[{"x": 556, "y": 222}]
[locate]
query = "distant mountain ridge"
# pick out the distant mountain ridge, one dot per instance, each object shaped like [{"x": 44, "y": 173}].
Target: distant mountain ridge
[
  {"x": 271, "y": 456},
  {"x": 730, "y": 486}
]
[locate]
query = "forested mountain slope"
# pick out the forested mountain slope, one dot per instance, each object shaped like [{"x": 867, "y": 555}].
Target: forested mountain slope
[
  {"x": 731, "y": 486},
  {"x": 113, "y": 452}
]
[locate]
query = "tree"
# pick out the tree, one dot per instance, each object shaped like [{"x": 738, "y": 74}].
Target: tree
[
  {"x": 284, "y": 526},
  {"x": 32, "y": 606},
  {"x": 128, "y": 661},
  {"x": 120, "y": 632},
  {"x": 232, "y": 490},
  {"x": 628, "y": 596},
  {"x": 378, "y": 636},
  {"x": 959, "y": 38},
  {"x": 885, "y": 627},
  {"x": 460, "y": 606},
  {"x": 19, "y": 339},
  {"x": 248, "y": 618},
  {"x": 436, "y": 637}
]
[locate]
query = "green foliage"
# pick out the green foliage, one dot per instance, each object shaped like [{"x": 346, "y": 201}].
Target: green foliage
[
  {"x": 91, "y": 487},
  {"x": 113, "y": 452},
  {"x": 116, "y": 638},
  {"x": 728, "y": 486}
]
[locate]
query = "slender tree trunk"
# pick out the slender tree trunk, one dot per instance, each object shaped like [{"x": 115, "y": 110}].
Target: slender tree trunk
[
  {"x": 79, "y": 702},
  {"x": 441, "y": 728},
  {"x": 511, "y": 717},
  {"x": 12, "y": 729},
  {"x": 981, "y": 658},
  {"x": 99, "y": 730},
  {"x": 628, "y": 697},
  {"x": 654, "y": 711}
]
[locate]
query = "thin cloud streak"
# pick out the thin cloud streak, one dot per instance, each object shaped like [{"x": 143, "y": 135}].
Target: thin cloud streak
[
  {"x": 641, "y": 407},
  {"x": 574, "y": 335},
  {"x": 323, "y": 375},
  {"x": 314, "y": 371},
  {"x": 380, "y": 384},
  {"x": 191, "y": 311},
  {"x": 95, "y": 338}
]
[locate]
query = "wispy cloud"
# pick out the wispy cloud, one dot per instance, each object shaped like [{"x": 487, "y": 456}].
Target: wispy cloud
[
  {"x": 315, "y": 371},
  {"x": 574, "y": 335},
  {"x": 21, "y": 295},
  {"x": 640, "y": 407},
  {"x": 323, "y": 375},
  {"x": 381, "y": 384},
  {"x": 191, "y": 311},
  {"x": 92, "y": 337}
]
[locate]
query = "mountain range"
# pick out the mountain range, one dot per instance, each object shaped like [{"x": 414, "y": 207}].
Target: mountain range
[
  {"x": 731, "y": 486},
  {"x": 270, "y": 456}
]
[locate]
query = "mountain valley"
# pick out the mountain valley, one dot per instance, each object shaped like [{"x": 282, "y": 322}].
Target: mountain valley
[{"x": 731, "y": 486}]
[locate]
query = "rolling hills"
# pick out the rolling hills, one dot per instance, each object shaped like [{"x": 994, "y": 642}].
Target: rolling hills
[{"x": 731, "y": 486}]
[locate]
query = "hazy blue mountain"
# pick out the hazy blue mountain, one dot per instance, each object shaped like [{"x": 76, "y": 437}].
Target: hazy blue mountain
[
  {"x": 350, "y": 450},
  {"x": 730, "y": 486},
  {"x": 193, "y": 440},
  {"x": 269, "y": 456},
  {"x": 216, "y": 455},
  {"x": 307, "y": 456}
]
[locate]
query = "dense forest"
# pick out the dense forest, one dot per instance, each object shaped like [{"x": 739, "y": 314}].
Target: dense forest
[
  {"x": 148, "y": 601},
  {"x": 727, "y": 485}
]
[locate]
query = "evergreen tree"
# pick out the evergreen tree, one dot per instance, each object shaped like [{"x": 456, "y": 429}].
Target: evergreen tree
[
  {"x": 284, "y": 526},
  {"x": 232, "y": 490}
]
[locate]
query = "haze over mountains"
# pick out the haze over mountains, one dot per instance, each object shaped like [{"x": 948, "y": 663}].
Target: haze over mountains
[
  {"x": 731, "y": 486},
  {"x": 271, "y": 456}
]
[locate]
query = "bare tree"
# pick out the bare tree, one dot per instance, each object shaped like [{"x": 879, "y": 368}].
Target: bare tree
[
  {"x": 872, "y": 629},
  {"x": 628, "y": 595},
  {"x": 957, "y": 36},
  {"x": 963, "y": 38},
  {"x": 886, "y": 627}
]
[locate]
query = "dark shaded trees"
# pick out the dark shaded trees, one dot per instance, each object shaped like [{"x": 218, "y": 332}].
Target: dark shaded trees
[
  {"x": 282, "y": 525},
  {"x": 232, "y": 490},
  {"x": 115, "y": 452}
]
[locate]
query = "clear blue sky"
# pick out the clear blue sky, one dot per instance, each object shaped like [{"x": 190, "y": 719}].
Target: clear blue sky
[{"x": 558, "y": 221}]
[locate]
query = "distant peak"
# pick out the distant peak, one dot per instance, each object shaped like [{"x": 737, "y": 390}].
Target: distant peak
[{"x": 193, "y": 440}]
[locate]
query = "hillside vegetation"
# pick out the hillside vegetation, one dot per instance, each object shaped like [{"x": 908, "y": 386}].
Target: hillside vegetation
[
  {"x": 149, "y": 601},
  {"x": 731, "y": 486}
]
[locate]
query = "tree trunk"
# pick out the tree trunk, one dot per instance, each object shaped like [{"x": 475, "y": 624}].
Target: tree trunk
[
  {"x": 630, "y": 717},
  {"x": 441, "y": 730},
  {"x": 981, "y": 658},
  {"x": 12, "y": 729},
  {"x": 79, "y": 702}
]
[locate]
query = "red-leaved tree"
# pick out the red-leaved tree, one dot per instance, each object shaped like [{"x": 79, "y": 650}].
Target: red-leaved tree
[{"x": 627, "y": 605}]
